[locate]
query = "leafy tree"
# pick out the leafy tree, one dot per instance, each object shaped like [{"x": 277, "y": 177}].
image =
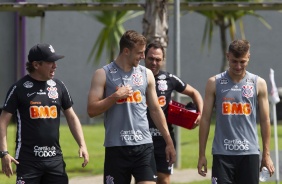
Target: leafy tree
[{"x": 226, "y": 20}]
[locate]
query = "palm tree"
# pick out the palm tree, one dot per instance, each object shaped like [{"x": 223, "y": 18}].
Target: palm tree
[
  {"x": 226, "y": 20},
  {"x": 155, "y": 22},
  {"x": 109, "y": 36},
  {"x": 155, "y": 26},
  {"x": 113, "y": 29}
]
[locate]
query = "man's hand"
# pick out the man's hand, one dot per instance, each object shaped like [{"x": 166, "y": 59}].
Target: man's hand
[
  {"x": 267, "y": 162},
  {"x": 124, "y": 92},
  {"x": 170, "y": 154},
  {"x": 84, "y": 153},
  {"x": 197, "y": 122},
  {"x": 7, "y": 165},
  {"x": 202, "y": 162}
]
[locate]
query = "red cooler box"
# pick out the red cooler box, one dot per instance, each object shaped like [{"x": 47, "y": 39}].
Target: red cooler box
[{"x": 178, "y": 115}]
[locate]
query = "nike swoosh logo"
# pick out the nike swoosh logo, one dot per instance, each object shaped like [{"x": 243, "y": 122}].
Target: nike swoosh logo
[
  {"x": 155, "y": 176},
  {"x": 30, "y": 94},
  {"x": 224, "y": 90},
  {"x": 116, "y": 79}
]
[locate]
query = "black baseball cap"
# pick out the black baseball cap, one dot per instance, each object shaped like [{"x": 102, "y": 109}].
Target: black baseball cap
[{"x": 43, "y": 52}]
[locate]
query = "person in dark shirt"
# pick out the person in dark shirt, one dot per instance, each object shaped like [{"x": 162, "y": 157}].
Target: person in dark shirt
[
  {"x": 36, "y": 101},
  {"x": 166, "y": 83}
]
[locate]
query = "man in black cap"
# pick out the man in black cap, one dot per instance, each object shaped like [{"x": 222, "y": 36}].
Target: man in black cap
[{"x": 36, "y": 101}]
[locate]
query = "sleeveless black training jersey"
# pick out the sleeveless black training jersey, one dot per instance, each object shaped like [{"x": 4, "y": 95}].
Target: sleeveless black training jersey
[
  {"x": 37, "y": 105},
  {"x": 165, "y": 84}
]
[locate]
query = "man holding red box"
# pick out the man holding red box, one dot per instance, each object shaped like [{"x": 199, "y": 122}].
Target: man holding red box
[{"x": 166, "y": 83}]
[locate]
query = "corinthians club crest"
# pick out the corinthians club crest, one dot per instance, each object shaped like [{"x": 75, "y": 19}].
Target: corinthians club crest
[
  {"x": 52, "y": 92},
  {"x": 137, "y": 79},
  {"x": 162, "y": 85},
  {"x": 247, "y": 91}
]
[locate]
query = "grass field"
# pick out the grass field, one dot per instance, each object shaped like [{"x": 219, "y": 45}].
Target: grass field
[{"x": 94, "y": 136}]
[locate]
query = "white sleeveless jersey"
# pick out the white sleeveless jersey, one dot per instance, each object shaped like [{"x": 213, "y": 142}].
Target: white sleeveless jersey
[
  {"x": 126, "y": 121},
  {"x": 236, "y": 126}
]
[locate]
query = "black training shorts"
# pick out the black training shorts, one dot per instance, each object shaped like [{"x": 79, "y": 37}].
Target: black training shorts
[
  {"x": 123, "y": 161},
  {"x": 42, "y": 172},
  {"x": 160, "y": 157},
  {"x": 239, "y": 169}
]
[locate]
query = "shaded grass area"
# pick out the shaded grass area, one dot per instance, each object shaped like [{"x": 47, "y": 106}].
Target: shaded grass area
[{"x": 94, "y": 136}]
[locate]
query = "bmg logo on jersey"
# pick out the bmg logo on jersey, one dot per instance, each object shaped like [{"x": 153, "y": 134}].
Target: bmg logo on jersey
[
  {"x": 36, "y": 112},
  {"x": 44, "y": 151},
  {"x": 236, "y": 145},
  {"x": 162, "y": 100},
  {"x": 236, "y": 108}
]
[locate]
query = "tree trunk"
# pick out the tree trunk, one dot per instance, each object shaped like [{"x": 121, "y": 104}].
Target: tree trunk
[
  {"x": 155, "y": 23},
  {"x": 222, "y": 27}
]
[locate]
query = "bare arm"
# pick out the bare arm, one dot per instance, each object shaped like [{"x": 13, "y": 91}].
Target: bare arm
[
  {"x": 5, "y": 118},
  {"x": 96, "y": 103},
  {"x": 197, "y": 99},
  {"x": 205, "y": 125},
  {"x": 159, "y": 118},
  {"x": 264, "y": 124},
  {"x": 76, "y": 130}
]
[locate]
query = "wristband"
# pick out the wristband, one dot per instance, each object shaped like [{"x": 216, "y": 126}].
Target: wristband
[{"x": 3, "y": 153}]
